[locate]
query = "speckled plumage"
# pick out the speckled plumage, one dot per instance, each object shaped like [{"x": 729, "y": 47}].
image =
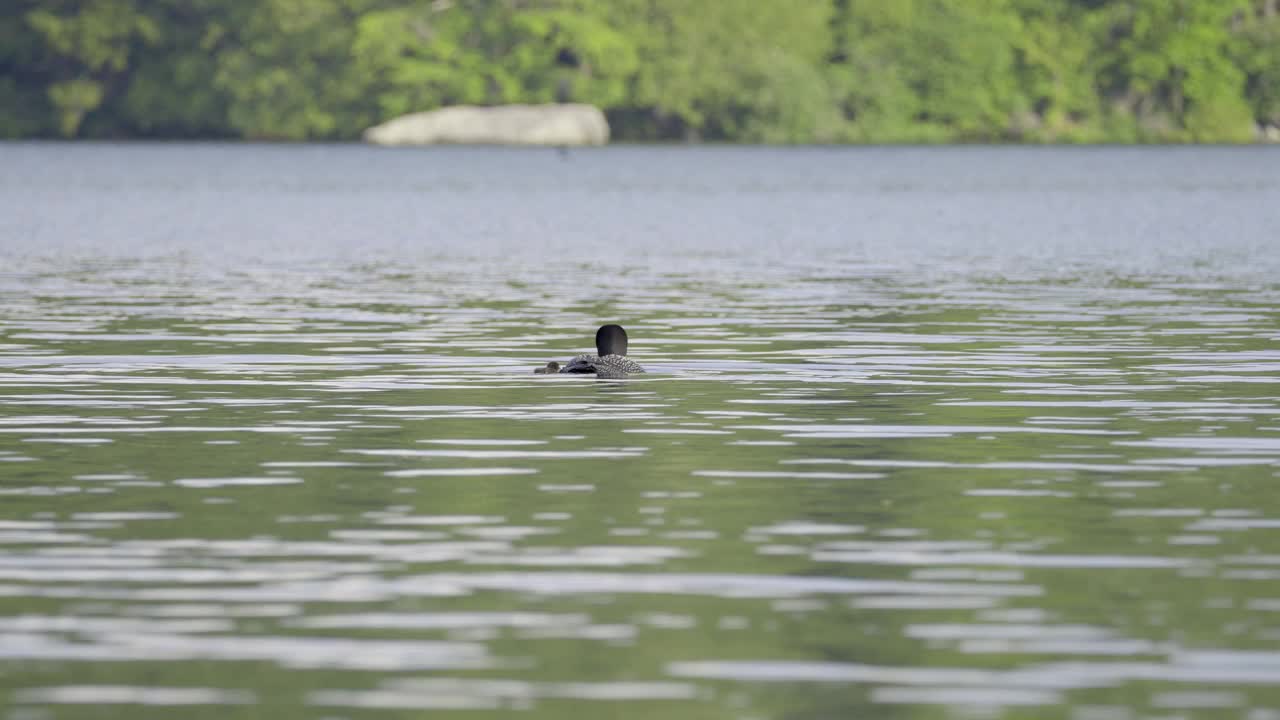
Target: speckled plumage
[
  {"x": 607, "y": 366},
  {"x": 610, "y": 360}
]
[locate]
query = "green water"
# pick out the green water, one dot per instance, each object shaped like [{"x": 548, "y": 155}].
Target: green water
[{"x": 917, "y": 440}]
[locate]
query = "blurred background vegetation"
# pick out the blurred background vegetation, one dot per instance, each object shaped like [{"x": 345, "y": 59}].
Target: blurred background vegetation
[{"x": 825, "y": 71}]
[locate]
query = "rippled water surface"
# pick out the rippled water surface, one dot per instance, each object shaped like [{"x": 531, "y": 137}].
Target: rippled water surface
[{"x": 927, "y": 433}]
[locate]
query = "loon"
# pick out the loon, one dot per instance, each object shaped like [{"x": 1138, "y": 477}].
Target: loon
[
  {"x": 552, "y": 368},
  {"x": 611, "y": 362}
]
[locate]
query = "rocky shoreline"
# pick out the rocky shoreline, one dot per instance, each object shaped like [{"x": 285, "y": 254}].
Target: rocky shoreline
[{"x": 551, "y": 124}]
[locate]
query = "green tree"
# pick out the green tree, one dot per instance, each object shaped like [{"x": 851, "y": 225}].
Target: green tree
[
  {"x": 24, "y": 103},
  {"x": 1258, "y": 55},
  {"x": 289, "y": 71},
  {"x": 733, "y": 69},
  {"x": 171, "y": 89},
  {"x": 420, "y": 57},
  {"x": 1168, "y": 62},
  {"x": 87, "y": 48},
  {"x": 1054, "y": 57},
  {"x": 928, "y": 69}
]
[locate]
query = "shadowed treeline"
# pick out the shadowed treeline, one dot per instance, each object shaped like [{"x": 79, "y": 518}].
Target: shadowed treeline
[{"x": 722, "y": 70}]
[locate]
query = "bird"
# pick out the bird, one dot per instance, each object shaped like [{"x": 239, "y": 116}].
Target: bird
[
  {"x": 552, "y": 368},
  {"x": 610, "y": 360}
]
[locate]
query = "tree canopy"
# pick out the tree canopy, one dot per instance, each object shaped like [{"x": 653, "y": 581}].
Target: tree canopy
[{"x": 826, "y": 71}]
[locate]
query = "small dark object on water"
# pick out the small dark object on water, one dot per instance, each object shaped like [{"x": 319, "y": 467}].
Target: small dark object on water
[
  {"x": 552, "y": 368},
  {"x": 611, "y": 360}
]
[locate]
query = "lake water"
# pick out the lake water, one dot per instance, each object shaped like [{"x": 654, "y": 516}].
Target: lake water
[{"x": 927, "y": 433}]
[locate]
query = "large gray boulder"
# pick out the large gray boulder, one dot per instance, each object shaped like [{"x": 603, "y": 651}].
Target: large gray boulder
[{"x": 572, "y": 124}]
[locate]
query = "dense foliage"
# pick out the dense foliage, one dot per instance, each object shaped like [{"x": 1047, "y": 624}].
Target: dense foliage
[{"x": 735, "y": 70}]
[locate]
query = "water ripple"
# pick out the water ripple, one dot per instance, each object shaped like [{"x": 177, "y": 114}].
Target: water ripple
[{"x": 978, "y": 432}]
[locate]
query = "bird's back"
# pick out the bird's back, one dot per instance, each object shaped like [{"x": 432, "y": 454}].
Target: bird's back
[{"x": 608, "y": 366}]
